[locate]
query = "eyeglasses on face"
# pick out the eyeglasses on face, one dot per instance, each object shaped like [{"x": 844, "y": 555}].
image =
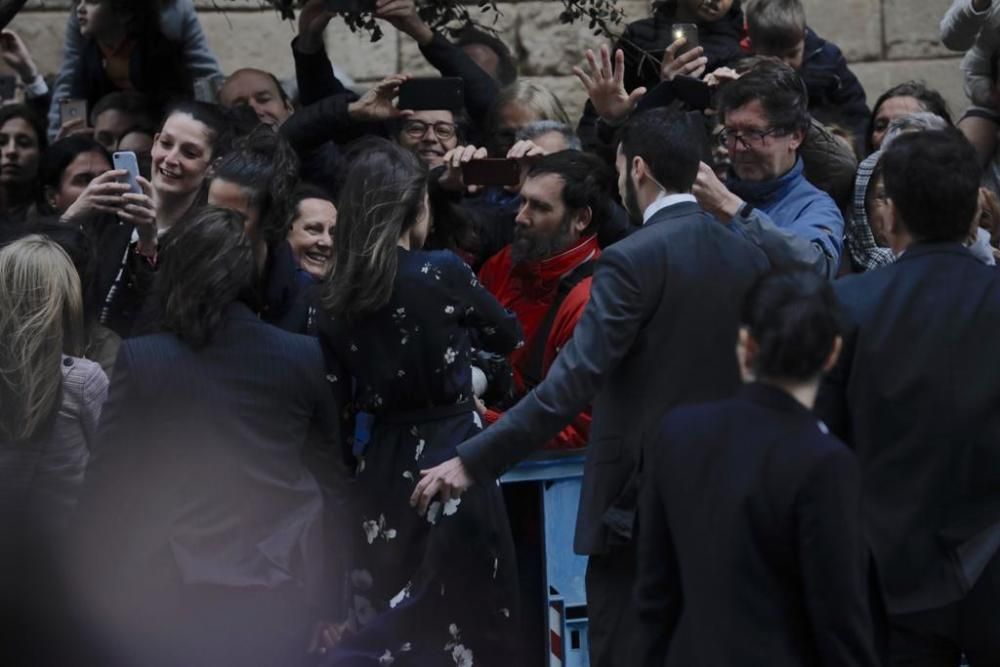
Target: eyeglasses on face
[
  {"x": 748, "y": 138},
  {"x": 418, "y": 128}
]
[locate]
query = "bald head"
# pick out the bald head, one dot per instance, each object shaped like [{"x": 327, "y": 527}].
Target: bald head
[{"x": 261, "y": 91}]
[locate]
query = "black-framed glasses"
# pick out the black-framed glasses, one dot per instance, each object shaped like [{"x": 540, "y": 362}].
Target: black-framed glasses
[
  {"x": 748, "y": 138},
  {"x": 418, "y": 128}
]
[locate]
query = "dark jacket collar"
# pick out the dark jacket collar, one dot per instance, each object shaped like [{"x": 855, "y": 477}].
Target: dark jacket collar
[
  {"x": 921, "y": 248},
  {"x": 674, "y": 211},
  {"x": 773, "y": 397}
]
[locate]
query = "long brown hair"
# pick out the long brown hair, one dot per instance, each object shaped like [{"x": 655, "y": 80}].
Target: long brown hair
[
  {"x": 383, "y": 196},
  {"x": 42, "y": 318}
]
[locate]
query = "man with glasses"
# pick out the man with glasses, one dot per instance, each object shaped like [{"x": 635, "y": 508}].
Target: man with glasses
[
  {"x": 767, "y": 198},
  {"x": 429, "y": 135}
]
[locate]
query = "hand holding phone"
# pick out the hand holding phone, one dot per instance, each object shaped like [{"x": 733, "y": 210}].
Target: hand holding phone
[
  {"x": 73, "y": 110},
  {"x": 127, "y": 161},
  {"x": 686, "y": 31}
]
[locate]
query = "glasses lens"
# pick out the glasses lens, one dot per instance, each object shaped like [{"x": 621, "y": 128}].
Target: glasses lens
[{"x": 444, "y": 130}]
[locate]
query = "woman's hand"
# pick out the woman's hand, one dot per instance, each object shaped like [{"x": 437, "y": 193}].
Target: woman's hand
[
  {"x": 102, "y": 195},
  {"x": 17, "y": 56}
]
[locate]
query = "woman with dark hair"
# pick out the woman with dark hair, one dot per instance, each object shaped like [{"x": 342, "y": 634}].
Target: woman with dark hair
[
  {"x": 752, "y": 509},
  {"x": 22, "y": 143},
  {"x": 257, "y": 179},
  {"x": 902, "y": 100},
  {"x": 192, "y": 135},
  {"x": 310, "y": 230},
  {"x": 397, "y": 331},
  {"x": 199, "y": 524}
]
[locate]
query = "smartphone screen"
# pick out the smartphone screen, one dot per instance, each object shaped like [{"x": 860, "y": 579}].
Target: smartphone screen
[
  {"x": 491, "y": 172},
  {"x": 349, "y": 6},
  {"x": 438, "y": 93},
  {"x": 72, "y": 109},
  {"x": 8, "y": 87},
  {"x": 127, "y": 160},
  {"x": 689, "y": 31}
]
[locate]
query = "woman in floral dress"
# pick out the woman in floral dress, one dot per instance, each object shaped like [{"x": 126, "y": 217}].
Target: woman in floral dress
[{"x": 438, "y": 588}]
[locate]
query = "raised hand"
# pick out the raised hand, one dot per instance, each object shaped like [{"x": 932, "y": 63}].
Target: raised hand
[
  {"x": 690, "y": 63},
  {"x": 313, "y": 19},
  {"x": 16, "y": 55},
  {"x": 452, "y": 179},
  {"x": 377, "y": 104},
  {"x": 402, "y": 15},
  {"x": 605, "y": 86}
]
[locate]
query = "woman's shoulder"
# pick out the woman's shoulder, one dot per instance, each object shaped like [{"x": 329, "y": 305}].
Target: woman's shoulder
[{"x": 83, "y": 379}]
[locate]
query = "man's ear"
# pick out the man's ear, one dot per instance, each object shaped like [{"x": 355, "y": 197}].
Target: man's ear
[
  {"x": 746, "y": 354},
  {"x": 798, "y": 137},
  {"x": 640, "y": 170},
  {"x": 831, "y": 359},
  {"x": 582, "y": 219}
]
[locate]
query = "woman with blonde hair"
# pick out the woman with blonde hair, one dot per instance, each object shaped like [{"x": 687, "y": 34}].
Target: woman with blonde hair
[
  {"x": 50, "y": 399},
  {"x": 519, "y": 105}
]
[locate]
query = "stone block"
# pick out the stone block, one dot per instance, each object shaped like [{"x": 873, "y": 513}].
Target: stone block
[
  {"x": 43, "y": 33},
  {"x": 549, "y": 47},
  {"x": 263, "y": 40},
  {"x": 942, "y": 75},
  {"x": 853, "y": 25},
  {"x": 912, "y": 28}
]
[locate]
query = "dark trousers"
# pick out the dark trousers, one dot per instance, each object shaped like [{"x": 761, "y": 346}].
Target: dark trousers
[
  {"x": 612, "y": 618},
  {"x": 939, "y": 637}
]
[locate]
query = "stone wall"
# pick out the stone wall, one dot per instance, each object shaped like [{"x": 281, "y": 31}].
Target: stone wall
[{"x": 888, "y": 41}]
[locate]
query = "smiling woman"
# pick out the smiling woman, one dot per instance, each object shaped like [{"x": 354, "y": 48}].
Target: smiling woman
[{"x": 310, "y": 233}]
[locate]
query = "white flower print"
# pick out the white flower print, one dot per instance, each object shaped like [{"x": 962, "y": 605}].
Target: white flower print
[
  {"x": 361, "y": 465},
  {"x": 354, "y": 348},
  {"x": 404, "y": 340},
  {"x": 374, "y": 530},
  {"x": 449, "y": 356},
  {"x": 400, "y": 596},
  {"x": 462, "y": 656},
  {"x": 386, "y": 658},
  {"x": 505, "y": 612},
  {"x": 454, "y": 632},
  {"x": 490, "y": 330},
  {"x": 496, "y": 566},
  {"x": 451, "y": 506},
  {"x": 433, "y": 512},
  {"x": 425, "y": 268},
  {"x": 405, "y": 647},
  {"x": 400, "y": 373},
  {"x": 474, "y": 282},
  {"x": 448, "y": 310},
  {"x": 331, "y": 378},
  {"x": 420, "y": 449},
  {"x": 408, "y": 475}
]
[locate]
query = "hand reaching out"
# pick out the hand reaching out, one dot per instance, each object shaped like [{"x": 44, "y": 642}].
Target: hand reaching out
[
  {"x": 313, "y": 19},
  {"x": 402, "y": 15},
  {"x": 104, "y": 194},
  {"x": 452, "y": 179},
  {"x": 377, "y": 103},
  {"x": 690, "y": 63},
  {"x": 605, "y": 86},
  {"x": 446, "y": 481}
]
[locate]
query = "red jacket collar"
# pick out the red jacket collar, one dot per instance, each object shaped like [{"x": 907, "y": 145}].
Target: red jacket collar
[{"x": 554, "y": 268}]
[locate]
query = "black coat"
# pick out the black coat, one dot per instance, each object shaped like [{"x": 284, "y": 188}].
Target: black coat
[
  {"x": 835, "y": 94},
  {"x": 659, "y": 330},
  {"x": 750, "y": 543},
  {"x": 917, "y": 396}
]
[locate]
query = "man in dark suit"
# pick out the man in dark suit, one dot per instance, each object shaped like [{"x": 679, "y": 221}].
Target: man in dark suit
[
  {"x": 917, "y": 395},
  {"x": 659, "y": 330},
  {"x": 751, "y": 550}
]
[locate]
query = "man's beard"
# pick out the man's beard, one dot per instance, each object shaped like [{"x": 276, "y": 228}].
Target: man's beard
[
  {"x": 532, "y": 248},
  {"x": 632, "y": 201}
]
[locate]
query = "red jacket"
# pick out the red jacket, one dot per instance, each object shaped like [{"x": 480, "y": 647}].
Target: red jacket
[{"x": 529, "y": 290}]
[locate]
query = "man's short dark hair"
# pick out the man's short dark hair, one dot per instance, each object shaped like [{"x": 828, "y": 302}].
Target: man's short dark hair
[
  {"x": 671, "y": 144},
  {"x": 134, "y": 104},
  {"x": 506, "y": 65},
  {"x": 775, "y": 26},
  {"x": 778, "y": 88},
  {"x": 587, "y": 182},
  {"x": 933, "y": 179}
]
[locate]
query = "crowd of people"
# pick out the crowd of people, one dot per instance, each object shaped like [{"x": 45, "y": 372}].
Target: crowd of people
[{"x": 267, "y": 347}]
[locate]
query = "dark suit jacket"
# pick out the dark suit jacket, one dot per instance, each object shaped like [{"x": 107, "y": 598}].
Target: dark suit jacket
[
  {"x": 198, "y": 474},
  {"x": 917, "y": 395},
  {"x": 750, "y": 549},
  {"x": 659, "y": 330}
]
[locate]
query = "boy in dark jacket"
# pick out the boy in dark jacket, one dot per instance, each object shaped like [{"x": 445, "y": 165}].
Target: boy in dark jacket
[{"x": 778, "y": 28}]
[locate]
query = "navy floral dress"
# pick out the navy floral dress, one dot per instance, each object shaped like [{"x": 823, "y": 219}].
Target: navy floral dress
[{"x": 439, "y": 589}]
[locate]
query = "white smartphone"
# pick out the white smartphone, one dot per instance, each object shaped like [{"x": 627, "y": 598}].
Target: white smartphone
[{"x": 126, "y": 160}]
